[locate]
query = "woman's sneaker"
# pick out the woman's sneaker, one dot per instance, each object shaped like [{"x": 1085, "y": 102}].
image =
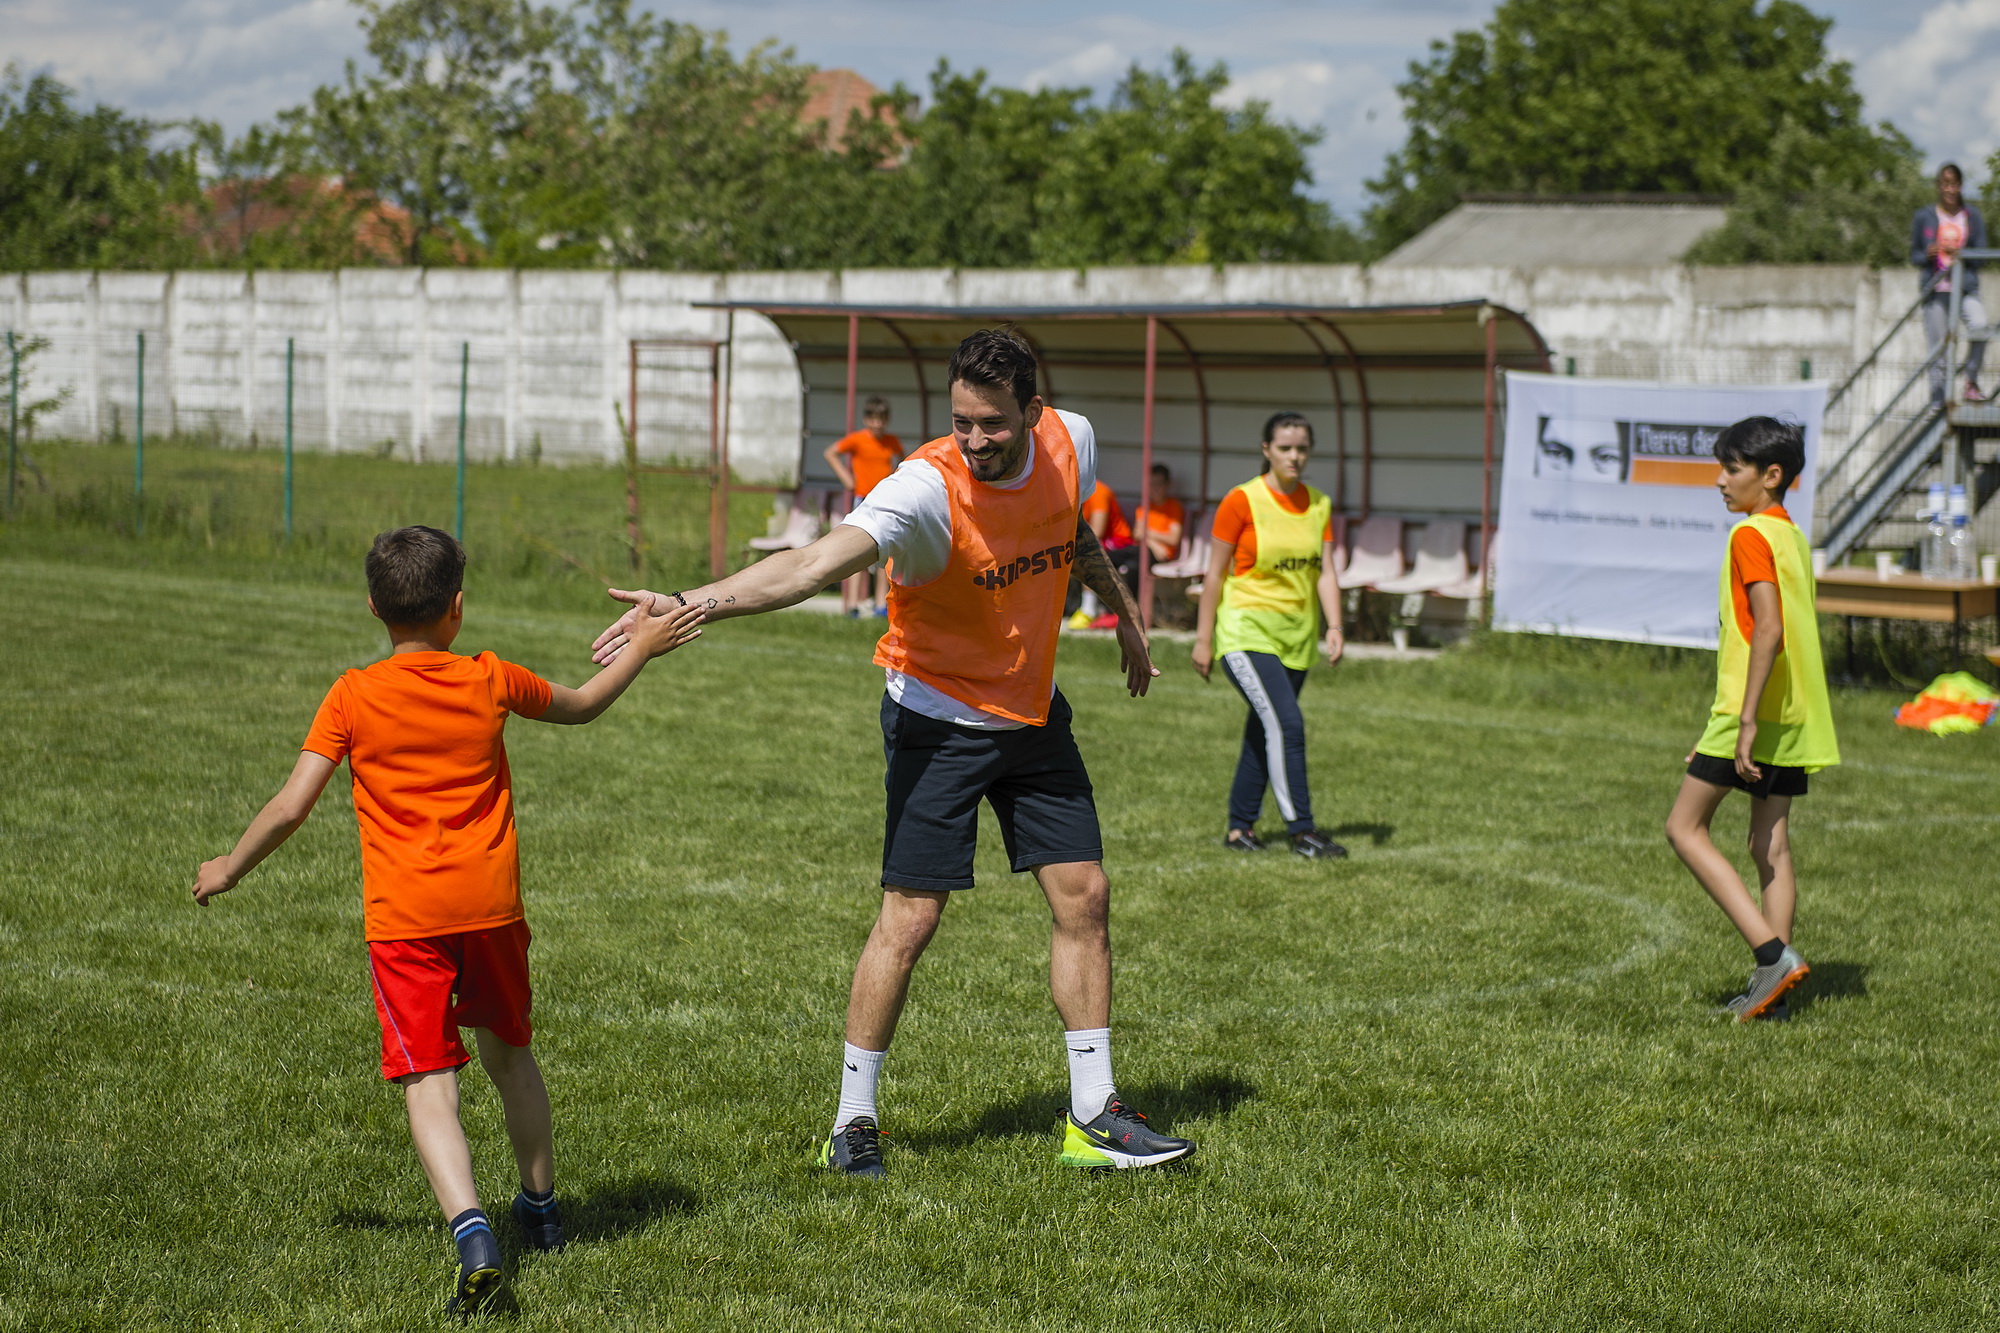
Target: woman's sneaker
[
  {"x": 1316, "y": 846},
  {"x": 1768, "y": 986},
  {"x": 1118, "y": 1139},
  {"x": 854, "y": 1149}
]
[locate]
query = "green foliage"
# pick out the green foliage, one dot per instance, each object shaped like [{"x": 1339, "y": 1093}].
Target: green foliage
[
  {"x": 1677, "y": 96},
  {"x": 1809, "y": 205},
  {"x": 425, "y": 129},
  {"x": 1165, "y": 175},
  {"x": 87, "y": 189},
  {"x": 18, "y": 378}
]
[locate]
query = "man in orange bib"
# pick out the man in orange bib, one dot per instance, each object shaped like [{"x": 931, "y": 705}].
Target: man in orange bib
[{"x": 982, "y": 528}]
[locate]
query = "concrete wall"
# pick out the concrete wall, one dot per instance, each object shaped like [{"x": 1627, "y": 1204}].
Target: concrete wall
[{"x": 376, "y": 351}]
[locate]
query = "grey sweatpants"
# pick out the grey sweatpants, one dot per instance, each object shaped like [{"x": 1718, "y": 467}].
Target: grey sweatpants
[{"x": 1937, "y": 313}]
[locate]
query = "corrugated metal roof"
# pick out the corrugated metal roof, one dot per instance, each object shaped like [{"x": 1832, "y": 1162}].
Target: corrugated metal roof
[{"x": 1566, "y": 231}]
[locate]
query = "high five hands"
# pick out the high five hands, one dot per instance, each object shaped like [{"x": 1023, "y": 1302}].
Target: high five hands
[{"x": 619, "y": 633}]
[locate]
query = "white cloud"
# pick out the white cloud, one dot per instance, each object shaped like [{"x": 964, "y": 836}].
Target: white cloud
[
  {"x": 1354, "y": 105},
  {"x": 1936, "y": 82}
]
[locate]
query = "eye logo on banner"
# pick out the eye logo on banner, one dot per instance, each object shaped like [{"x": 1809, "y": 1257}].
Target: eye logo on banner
[
  {"x": 1613, "y": 524},
  {"x": 1645, "y": 453}
]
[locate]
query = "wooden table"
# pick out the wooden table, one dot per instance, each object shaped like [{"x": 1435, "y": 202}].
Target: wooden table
[{"x": 1851, "y": 592}]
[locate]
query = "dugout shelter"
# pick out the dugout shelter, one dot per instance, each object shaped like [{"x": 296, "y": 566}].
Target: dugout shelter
[{"x": 1403, "y": 399}]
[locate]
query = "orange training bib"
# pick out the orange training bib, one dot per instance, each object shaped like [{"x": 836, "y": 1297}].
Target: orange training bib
[{"x": 984, "y": 631}]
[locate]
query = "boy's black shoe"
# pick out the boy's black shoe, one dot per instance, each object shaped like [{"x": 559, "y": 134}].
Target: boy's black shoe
[
  {"x": 541, "y": 1227},
  {"x": 854, "y": 1149},
  {"x": 478, "y": 1274},
  {"x": 1244, "y": 841},
  {"x": 1316, "y": 846}
]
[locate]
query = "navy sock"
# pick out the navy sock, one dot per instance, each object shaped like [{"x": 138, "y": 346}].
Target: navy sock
[
  {"x": 466, "y": 1233},
  {"x": 1769, "y": 952},
  {"x": 540, "y": 1202}
]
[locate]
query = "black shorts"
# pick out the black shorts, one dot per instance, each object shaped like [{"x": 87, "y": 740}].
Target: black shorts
[
  {"x": 1778, "y": 780},
  {"x": 939, "y": 772}
]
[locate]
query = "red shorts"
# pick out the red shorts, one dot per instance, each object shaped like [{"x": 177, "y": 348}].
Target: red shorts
[{"x": 426, "y": 990}]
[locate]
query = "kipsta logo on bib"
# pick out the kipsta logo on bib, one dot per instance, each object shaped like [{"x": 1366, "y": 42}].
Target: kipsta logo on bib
[{"x": 1024, "y": 566}]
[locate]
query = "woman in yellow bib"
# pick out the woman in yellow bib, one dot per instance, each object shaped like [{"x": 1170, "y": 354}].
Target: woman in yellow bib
[
  {"x": 1270, "y": 577},
  {"x": 1771, "y": 723}
]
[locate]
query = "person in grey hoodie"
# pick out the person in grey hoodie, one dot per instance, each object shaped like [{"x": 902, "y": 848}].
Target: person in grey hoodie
[{"x": 1937, "y": 233}]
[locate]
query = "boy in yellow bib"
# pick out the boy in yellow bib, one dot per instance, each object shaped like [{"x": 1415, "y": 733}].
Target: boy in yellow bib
[{"x": 1771, "y": 723}]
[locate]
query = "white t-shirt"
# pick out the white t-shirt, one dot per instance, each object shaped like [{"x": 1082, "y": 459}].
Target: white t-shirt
[{"x": 909, "y": 516}]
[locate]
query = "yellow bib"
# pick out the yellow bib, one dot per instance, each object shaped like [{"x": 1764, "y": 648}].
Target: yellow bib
[
  {"x": 1794, "y": 718},
  {"x": 1273, "y": 607}
]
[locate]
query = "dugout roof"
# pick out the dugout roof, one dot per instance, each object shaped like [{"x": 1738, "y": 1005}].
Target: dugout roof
[{"x": 1402, "y": 398}]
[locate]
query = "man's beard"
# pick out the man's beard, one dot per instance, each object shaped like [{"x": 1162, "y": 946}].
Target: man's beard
[{"x": 998, "y": 466}]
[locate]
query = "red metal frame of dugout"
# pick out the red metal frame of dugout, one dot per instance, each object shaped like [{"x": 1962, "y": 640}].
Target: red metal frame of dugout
[{"x": 1302, "y": 318}]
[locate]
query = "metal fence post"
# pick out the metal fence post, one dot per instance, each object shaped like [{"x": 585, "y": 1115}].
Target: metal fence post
[
  {"x": 288, "y": 441},
  {"x": 13, "y": 417},
  {"x": 464, "y": 369},
  {"x": 139, "y": 448}
]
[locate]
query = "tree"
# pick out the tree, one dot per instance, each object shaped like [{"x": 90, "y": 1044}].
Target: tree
[
  {"x": 87, "y": 189},
  {"x": 1164, "y": 175},
  {"x": 1557, "y": 96},
  {"x": 428, "y": 129},
  {"x": 1808, "y": 206}
]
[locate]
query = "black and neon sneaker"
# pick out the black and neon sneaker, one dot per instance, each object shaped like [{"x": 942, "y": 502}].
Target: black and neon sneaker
[
  {"x": 1243, "y": 840},
  {"x": 1316, "y": 846},
  {"x": 1118, "y": 1139},
  {"x": 854, "y": 1149},
  {"x": 478, "y": 1273},
  {"x": 540, "y": 1227}
]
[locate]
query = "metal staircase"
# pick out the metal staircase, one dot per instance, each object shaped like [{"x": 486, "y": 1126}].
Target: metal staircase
[{"x": 1867, "y": 495}]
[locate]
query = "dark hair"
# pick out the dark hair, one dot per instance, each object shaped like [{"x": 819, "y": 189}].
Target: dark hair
[
  {"x": 1762, "y": 441},
  {"x": 1162, "y": 470},
  {"x": 413, "y": 573},
  {"x": 995, "y": 358},
  {"x": 1280, "y": 420},
  {"x": 1952, "y": 167},
  {"x": 876, "y": 405}
]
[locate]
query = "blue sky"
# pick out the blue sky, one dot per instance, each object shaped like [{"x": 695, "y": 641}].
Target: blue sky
[{"x": 1923, "y": 64}]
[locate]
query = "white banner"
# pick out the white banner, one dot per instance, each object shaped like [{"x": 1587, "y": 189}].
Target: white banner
[{"x": 1611, "y": 526}]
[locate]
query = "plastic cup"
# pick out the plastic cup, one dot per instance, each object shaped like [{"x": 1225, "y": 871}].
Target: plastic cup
[
  {"x": 1885, "y": 566},
  {"x": 1989, "y": 569},
  {"x": 1819, "y": 561}
]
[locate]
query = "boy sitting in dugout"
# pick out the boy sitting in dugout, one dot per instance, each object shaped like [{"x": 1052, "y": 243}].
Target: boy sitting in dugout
[
  {"x": 440, "y": 869},
  {"x": 1771, "y": 723}
]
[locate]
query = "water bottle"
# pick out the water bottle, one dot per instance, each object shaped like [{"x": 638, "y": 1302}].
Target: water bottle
[
  {"x": 1931, "y": 556},
  {"x": 1963, "y": 561}
]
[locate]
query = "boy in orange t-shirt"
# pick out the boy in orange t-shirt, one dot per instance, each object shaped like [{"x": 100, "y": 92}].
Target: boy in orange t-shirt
[
  {"x": 862, "y": 461},
  {"x": 440, "y": 872}
]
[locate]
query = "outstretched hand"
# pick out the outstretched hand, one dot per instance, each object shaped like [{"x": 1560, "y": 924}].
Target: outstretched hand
[
  {"x": 658, "y": 635},
  {"x": 1135, "y": 657},
  {"x": 612, "y": 642}
]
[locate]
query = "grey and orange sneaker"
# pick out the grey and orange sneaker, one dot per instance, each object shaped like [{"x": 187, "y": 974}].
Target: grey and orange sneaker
[
  {"x": 1768, "y": 986},
  {"x": 1118, "y": 1139},
  {"x": 854, "y": 1149}
]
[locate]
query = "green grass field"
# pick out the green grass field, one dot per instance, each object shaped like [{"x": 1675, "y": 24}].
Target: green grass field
[{"x": 1468, "y": 1079}]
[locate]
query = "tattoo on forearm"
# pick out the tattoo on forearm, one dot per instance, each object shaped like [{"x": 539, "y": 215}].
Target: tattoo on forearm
[{"x": 1092, "y": 568}]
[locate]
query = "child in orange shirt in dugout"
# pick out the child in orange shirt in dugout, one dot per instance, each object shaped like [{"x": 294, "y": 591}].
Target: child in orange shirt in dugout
[{"x": 440, "y": 869}]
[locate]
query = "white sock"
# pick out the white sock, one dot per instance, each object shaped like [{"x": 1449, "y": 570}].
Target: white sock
[
  {"x": 1090, "y": 1087},
  {"x": 1090, "y": 606},
  {"x": 858, "y": 1071}
]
